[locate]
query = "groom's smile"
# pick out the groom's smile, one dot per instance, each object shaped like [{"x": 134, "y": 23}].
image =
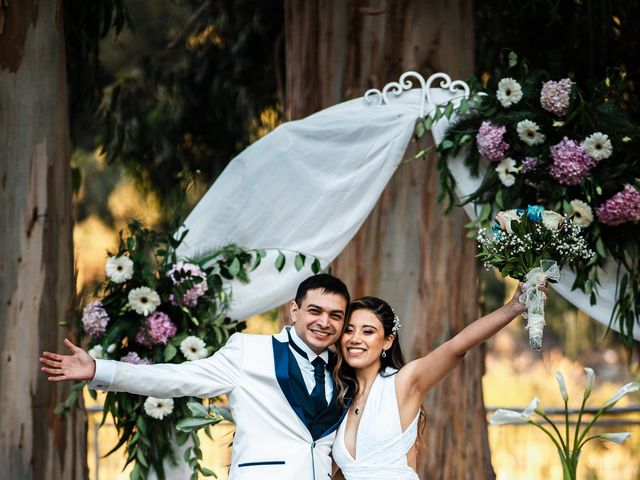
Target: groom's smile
[{"x": 318, "y": 320}]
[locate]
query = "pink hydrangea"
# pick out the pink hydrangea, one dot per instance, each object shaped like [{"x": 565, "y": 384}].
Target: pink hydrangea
[
  {"x": 554, "y": 96},
  {"x": 157, "y": 329},
  {"x": 491, "y": 144},
  {"x": 570, "y": 163},
  {"x": 529, "y": 164},
  {"x": 134, "y": 358},
  {"x": 95, "y": 319},
  {"x": 182, "y": 271},
  {"x": 623, "y": 207}
]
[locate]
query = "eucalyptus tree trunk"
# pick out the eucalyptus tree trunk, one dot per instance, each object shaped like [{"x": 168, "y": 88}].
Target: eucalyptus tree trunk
[
  {"x": 36, "y": 265},
  {"x": 408, "y": 252}
]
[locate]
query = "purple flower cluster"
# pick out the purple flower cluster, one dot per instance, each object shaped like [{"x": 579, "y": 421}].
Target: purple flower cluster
[
  {"x": 554, "y": 96},
  {"x": 95, "y": 319},
  {"x": 182, "y": 271},
  {"x": 529, "y": 164},
  {"x": 623, "y": 207},
  {"x": 570, "y": 163},
  {"x": 491, "y": 144},
  {"x": 157, "y": 329},
  {"x": 134, "y": 358}
]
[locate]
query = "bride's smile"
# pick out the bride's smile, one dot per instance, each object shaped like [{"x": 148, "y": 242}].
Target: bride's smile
[{"x": 363, "y": 340}]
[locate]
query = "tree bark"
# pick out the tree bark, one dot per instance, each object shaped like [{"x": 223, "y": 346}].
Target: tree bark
[
  {"x": 408, "y": 252},
  {"x": 36, "y": 266}
]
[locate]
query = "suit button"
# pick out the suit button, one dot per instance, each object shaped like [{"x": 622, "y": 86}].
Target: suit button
[{"x": 313, "y": 445}]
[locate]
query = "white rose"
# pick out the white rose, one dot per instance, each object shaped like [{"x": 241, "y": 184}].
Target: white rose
[
  {"x": 508, "y": 217},
  {"x": 552, "y": 220}
]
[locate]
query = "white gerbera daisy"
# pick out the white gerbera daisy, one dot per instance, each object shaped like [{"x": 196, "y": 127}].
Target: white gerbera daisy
[
  {"x": 598, "y": 146},
  {"x": 505, "y": 168},
  {"x": 529, "y": 132},
  {"x": 509, "y": 92},
  {"x": 158, "y": 407},
  {"x": 97, "y": 352},
  {"x": 193, "y": 348},
  {"x": 144, "y": 300},
  {"x": 119, "y": 269},
  {"x": 582, "y": 213}
]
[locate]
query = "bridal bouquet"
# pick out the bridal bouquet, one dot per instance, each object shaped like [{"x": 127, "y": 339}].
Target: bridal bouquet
[{"x": 531, "y": 246}]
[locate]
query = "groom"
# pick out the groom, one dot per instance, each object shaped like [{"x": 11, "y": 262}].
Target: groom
[{"x": 279, "y": 387}]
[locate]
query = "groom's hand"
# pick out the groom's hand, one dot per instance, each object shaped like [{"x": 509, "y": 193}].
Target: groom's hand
[{"x": 77, "y": 366}]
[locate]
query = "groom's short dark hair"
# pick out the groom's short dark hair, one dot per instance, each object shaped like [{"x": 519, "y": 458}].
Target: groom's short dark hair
[{"x": 325, "y": 282}]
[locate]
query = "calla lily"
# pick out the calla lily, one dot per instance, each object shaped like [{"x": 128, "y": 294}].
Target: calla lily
[
  {"x": 562, "y": 386},
  {"x": 591, "y": 376},
  {"x": 628, "y": 388},
  {"x": 618, "y": 437},
  {"x": 503, "y": 416}
]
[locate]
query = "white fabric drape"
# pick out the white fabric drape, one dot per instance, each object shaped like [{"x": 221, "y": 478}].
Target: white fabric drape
[{"x": 309, "y": 185}]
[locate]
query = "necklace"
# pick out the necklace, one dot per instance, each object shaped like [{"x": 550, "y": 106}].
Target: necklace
[{"x": 362, "y": 396}]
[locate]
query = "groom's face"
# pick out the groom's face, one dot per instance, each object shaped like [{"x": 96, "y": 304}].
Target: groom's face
[{"x": 318, "y": 320}]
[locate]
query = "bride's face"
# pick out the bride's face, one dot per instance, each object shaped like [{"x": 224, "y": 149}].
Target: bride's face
[{"x": 363, "y": 340}]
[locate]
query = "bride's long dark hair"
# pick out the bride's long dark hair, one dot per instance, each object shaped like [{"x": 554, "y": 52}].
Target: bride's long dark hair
[{"x": 344, "y": 376}]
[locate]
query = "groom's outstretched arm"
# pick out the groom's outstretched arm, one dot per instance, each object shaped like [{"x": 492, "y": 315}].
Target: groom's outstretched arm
[{"x": 208, "y": 377}]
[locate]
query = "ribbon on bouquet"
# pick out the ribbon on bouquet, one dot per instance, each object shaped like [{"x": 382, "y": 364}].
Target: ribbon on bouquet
[{"x": 534, "y": 299}]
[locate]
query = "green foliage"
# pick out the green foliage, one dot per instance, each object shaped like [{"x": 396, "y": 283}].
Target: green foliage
[{"x": 607, "y": 106}]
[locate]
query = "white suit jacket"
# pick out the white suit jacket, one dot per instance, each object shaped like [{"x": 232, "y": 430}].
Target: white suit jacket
[{"x": 271, "y": 441}]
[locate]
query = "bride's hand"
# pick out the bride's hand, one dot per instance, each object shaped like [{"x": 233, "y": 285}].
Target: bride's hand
[
  {"x": 77, "y": 366},
  {"x": 519, "y": 307}
]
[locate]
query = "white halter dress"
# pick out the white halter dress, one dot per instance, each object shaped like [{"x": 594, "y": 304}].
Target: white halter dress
[{"x": 381, "y": 445}]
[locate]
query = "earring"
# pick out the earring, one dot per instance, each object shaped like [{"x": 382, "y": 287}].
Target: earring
[{"x": 384, "y": 354}]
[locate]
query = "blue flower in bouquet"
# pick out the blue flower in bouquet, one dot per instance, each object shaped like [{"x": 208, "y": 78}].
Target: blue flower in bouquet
[{"x": 534, "y": 212}]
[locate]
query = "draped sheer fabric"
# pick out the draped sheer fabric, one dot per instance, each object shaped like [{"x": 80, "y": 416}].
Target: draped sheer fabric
[{"x": 310, "y": 184}]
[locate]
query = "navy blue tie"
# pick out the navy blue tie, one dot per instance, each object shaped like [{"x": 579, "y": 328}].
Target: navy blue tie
[{"x": 318, "y": 396}]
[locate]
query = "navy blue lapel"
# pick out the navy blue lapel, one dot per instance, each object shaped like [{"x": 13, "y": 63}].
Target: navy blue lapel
[
  {"x": 334, "y": 405},
  {"x": 281, "y": 361}
]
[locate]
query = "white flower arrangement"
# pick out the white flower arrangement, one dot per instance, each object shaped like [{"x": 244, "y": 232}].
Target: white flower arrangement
[
  {"x": 529, "y": 133},
  {"x": 193, "y": 348},
  {"x": 144, "y": 300},
  {"x": 598, "y": 146},
  {"x": 119, "y": 269},
  {"x": 158, "y": 408},
  {"x": 505, "y": 168},
  {"x": 569, "y": 454},
  {"x": 582, "y": 213},
  {"x": 509, "y": 92}
]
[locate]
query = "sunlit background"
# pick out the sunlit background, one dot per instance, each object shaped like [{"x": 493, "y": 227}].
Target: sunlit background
[{"x": 514, "y": 374}]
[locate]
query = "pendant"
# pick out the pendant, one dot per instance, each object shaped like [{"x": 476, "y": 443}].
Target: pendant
[{"x": 356, "y": 411}]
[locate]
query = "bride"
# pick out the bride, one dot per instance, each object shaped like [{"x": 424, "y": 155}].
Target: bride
[{"x": 376, "y": 438}]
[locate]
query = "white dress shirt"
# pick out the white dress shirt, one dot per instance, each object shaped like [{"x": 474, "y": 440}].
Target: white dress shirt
[{"x": 307, "y": 368}]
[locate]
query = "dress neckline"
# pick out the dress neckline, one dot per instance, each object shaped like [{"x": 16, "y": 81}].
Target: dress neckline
[{"x": 353, "y": 458}]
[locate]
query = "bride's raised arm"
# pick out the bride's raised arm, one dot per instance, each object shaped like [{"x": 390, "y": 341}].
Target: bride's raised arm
[{"x": 417, "y": 377}]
